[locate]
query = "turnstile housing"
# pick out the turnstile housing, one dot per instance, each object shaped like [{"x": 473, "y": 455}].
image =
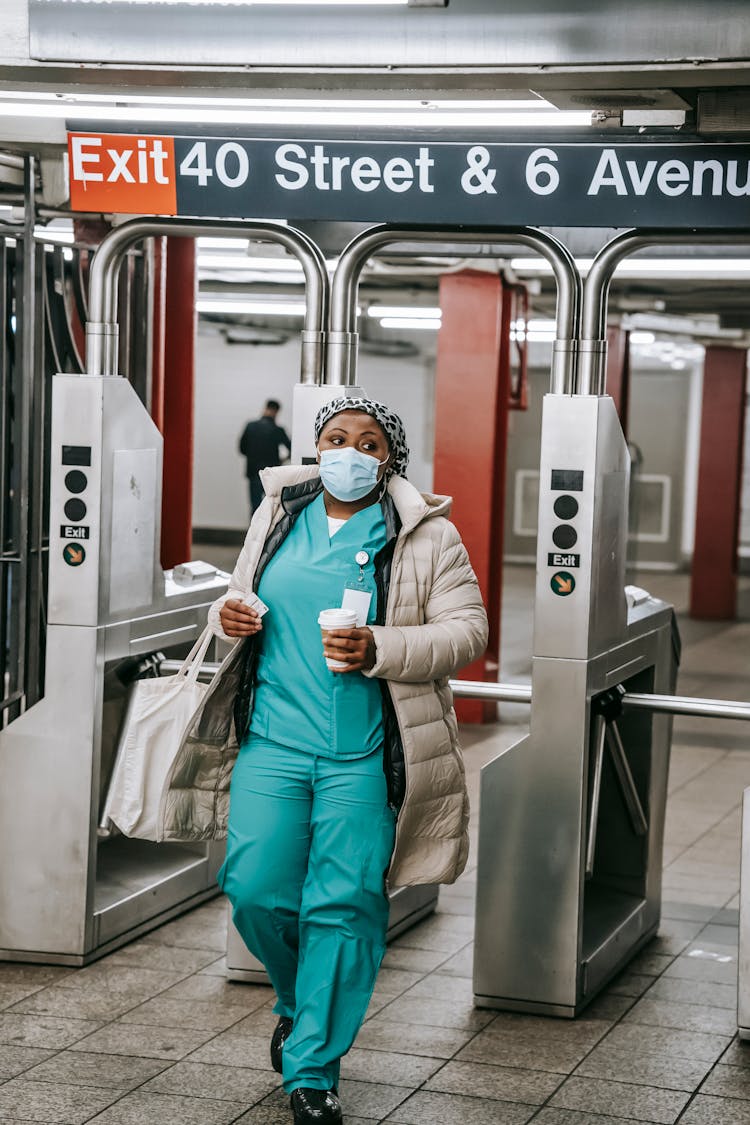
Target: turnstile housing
[{"x": 547, "y": 935}]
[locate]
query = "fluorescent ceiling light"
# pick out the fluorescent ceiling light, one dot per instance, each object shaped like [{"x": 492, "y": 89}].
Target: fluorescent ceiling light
[
  {"x": 53, "y": 235},
  {"x": 247, "y": 264},
  {"x": 205, "y": 243},
  {"x": 416, "y": 105},
  {"x": 381, "y": 118},
  {"x": 642, "y": 338},
  {"x": 409, "y": 322},
  {"x": 264, "y": 308},
  {"x": 284, "y": 3},
  {"x": 658, "y": 268},
  {"x": 413, "y": 313}
]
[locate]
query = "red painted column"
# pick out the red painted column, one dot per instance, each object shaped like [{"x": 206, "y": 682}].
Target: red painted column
[
  {"x": 618, "y": 372},
  {"x": 471, "y": 417},
  {"x": 713, "y": 587},
  {"x": 179, "y": 363}
]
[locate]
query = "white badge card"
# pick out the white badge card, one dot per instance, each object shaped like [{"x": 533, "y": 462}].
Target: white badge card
[{"x": 359, "y": 601}]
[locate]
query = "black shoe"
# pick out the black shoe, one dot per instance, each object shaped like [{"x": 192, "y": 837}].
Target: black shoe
[
  {"x": 279, "y": 1038},
  {"x": 315, "y": 1107}
]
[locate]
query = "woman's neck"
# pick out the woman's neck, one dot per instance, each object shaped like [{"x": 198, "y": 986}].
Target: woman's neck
[{"x": 344, "y": 509}]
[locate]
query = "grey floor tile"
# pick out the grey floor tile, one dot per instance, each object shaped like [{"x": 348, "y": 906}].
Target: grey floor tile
[
  {"x": 394, "y": 982},
  {"x": 630, "y": 984},
  {"x": 425, "y": 1108},
  {"x": 412, "y": 1039},
  {"x": 716, "y": 1111},
  {"x": 728, "y": 1082},
  {"x": 727, "y": 936},
  {"x": 74, "y": 1004},
  {"x": 510, "y": 1084},
  {"x": 199, "y": 1014},
  {"x": 14, "y": 993},
  {"x": 33, "y": 976},
  {"x": 644, "y": 1068},
  {"x": 217, "y": 968},
  {"x": 610, "y": 1006},
  {"x": 363, "y": 1065},
  {"x": 576, "y": 1117},
  {"x": 438, "y": 986},
  {"x": 505, "y": 1050},
  {"x": 217, "y": 990},
  {"x": 116, "y": 1072},
  {"x": 147, "y": 1042},
  {"x": 712, "y": 993},
  {"x": 153, "y": 955},
  {"x": 737, "y": 1053},
  {"x": 45, "y": 1101},
  {"x": 651, "y": 962},
  {"x": 684, "y": 1044},
  {"x": 643, "y": 1103},
  {"x": 15, "y": 1060},
  {"x": 261, "y": 1022},
  {"x": 439, "y": 941},
  {"x": 690, "y": 1017},
  {"x": 438, "y": 1013},
  {"x": 165, "y": 1109},
  {"x": 686, "y": 911},
  {"x": 204, "y": 1080},
  {"x": 461, "y": 964},
  {"x": 371, "y": 1099},
  {"x": 235, "y": 1050},
  {"x": 687, "y": 967},
  {"x": 415, "y": 960},
  {"x": 105, "y": 979},
  {"x": 43, "y": 1031}
]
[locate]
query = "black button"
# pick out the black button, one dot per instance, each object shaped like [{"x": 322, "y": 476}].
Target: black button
[
  {"x": 564, "y": 536},
  {"x": 566, "y": 507},
  {"x": 75, "y": 481},
  {"x": 75, "y": 509}
]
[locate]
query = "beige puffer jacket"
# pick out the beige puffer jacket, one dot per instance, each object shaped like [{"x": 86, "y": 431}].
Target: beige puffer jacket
[{"x": 435, "y": 624}]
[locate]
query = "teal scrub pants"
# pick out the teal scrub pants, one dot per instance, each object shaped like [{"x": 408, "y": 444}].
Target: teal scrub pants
[{"x": 309, "y": 841}]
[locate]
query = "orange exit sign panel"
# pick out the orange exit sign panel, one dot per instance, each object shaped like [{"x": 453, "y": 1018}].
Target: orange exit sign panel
[{"x": 130, "y": 174}]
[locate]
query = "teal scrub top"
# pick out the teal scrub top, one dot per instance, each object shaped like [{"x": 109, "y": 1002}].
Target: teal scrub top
[{"x": 298, "y": 701}]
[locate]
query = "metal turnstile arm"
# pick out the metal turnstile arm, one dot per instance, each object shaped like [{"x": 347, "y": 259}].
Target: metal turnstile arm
[
  {"x": 627, "y": 784},
  {"x": 600, "y": 731}
]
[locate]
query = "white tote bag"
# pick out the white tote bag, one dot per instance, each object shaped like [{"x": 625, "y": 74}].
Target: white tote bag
[{"x": 157, "y": 714}]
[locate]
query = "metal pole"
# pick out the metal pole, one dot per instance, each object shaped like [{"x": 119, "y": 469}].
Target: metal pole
[
  {"x": 627, "y": 784},
  {"x": 342, "y": 339},
  {"x": 101, "y": 328},
  {"x": 593, "y": 343},
  {"x": 600, "y": 732}
]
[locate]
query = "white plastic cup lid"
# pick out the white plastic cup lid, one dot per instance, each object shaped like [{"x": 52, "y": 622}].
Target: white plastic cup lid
[{"x": 337, "y": 618}]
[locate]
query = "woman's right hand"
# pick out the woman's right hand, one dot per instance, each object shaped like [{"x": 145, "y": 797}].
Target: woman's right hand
[{"x": 239, "y": 620}]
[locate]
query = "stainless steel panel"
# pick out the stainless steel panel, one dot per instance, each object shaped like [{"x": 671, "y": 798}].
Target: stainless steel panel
[
  {"x": 469, "y": 33},
  {"x": 133, "y": 531},
  {"x": 743, "y": 966},
  {"x": 76, "y": 420}
]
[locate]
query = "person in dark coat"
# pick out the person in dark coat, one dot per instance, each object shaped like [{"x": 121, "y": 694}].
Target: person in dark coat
[{"x": 259, "y": 445}]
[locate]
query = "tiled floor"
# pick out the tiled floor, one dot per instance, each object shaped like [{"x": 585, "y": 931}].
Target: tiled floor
[{"x": 154, "y": 1034}]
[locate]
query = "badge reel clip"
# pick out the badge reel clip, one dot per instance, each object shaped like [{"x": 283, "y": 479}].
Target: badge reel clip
[{"x": 359, "y": 589}]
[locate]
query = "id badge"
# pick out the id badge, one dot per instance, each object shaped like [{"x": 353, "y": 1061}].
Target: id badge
[{"x": 359, "y": 589}]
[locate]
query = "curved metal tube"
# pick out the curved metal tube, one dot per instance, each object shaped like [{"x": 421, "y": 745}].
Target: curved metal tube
[
  {"x": 593, "y": 342},
  {"x": 342, "y": 339},
  {"x": 101, "y": 328}
]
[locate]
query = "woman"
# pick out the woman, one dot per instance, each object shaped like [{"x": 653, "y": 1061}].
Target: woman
[{"x": 342, "y": 777}]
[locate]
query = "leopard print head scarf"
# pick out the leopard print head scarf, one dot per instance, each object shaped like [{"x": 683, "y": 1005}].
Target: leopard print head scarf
[{"x": 390, "y": 423}]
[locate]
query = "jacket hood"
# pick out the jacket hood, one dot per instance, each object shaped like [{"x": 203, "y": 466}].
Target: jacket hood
[{"x": 412, "y": 505}]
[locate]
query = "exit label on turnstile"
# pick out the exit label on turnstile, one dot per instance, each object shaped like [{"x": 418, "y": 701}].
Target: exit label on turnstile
[
  {"x": 562, "y": 583},
  {"x": 73, "y": 554},
  {"x": 556, "y": 558}
]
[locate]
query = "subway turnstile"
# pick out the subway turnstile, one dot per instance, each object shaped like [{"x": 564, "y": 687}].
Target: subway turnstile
[
  {"x": 66, "y": 894},
  {"x": 572, "y": 816}
]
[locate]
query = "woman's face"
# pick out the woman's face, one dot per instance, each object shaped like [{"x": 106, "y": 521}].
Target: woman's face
[{"x": 358, "y": 430}]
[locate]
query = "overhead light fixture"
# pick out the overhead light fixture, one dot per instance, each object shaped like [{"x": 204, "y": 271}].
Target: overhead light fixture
[
  {"x": 410, "y": 322},
  {"x": 659, "y": 268},
  {"x": 374, "y": 113},
  {"x": 404, "y": 311},
  {"x": 240, "y": 307},
  {"x": 639, "y": 338},
  {"x": 245, "y": 263}
]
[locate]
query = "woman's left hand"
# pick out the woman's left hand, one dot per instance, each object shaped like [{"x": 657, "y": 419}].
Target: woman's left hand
[{"x": 355, "y": 647}]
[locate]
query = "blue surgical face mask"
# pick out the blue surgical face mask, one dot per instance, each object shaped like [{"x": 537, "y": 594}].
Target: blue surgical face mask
[{"x": 348, "y": 474}]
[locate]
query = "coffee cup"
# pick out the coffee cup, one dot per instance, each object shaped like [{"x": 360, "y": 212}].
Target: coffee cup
[{"x": 336, "y": 619}]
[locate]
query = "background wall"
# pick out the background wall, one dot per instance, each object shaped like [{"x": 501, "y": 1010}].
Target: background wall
[{"x": 232, "y": 384}]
